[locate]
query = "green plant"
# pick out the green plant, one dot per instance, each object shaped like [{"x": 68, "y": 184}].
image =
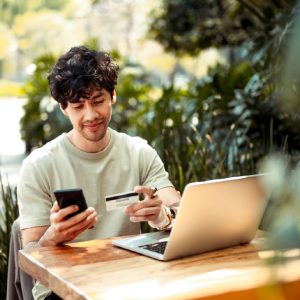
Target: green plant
[
  {"x": 189, "y": 26},
  {"x": 204, "y": 130},
  {"x": 42, "y": 120},
  {"x": 224, "y": 123},
  {"x": 217, "y": 126},
  {"x": 8, "y": 213},
  {"x": 281, "y": 217}
]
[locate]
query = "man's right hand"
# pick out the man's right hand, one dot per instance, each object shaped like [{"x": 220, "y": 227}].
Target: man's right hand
[{"x": 61, "y": 230}]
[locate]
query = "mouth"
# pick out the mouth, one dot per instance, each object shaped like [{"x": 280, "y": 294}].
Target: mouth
[{"x": 93, "y": 126}]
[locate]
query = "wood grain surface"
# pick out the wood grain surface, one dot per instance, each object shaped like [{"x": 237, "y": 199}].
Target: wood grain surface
[{"x": 98, "y": 270}]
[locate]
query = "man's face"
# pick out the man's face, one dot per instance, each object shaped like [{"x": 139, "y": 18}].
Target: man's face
[{"x": 90, "y": 116}]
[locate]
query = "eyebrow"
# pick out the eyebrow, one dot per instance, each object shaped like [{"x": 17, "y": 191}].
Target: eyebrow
[{"x": 99, "y": 94}]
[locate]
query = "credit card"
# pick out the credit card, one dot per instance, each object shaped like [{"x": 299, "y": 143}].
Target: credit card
[{"x": 121, "y": 200}]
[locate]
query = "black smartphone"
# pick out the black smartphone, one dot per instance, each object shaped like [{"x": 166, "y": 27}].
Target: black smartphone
[{"x": 67, "y": 197}]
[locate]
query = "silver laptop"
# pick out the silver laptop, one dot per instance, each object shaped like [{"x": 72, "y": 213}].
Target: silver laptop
[{"x": 212, "y": 215}]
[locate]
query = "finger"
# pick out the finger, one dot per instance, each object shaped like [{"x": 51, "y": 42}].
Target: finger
[
  {"x": 86, "y": 224},
  {"x": 143, "y": 218},
  {"x": 131, "y": 209},
  {"x": 73, "y": 224},
  {"x": 55, "y": 207},
  {"x": 146, "y": 211},
  {"x": 92, "y": 217},
  {"x": 62, "y": 213},
  {"x": 82, "y": 215},
  {"x": 89, "y": 226},
  {"x": 149, "y": 191},
  {"x": 143, "y": 204},
  {"x": 94, "y": 223}
]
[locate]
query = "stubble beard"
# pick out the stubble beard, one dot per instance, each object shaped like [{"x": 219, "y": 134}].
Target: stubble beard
[
  {"x": 98, "y": 135},
  {"x": 94, "y": 136}
]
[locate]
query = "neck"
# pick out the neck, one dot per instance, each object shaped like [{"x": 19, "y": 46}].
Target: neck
[{"x": 86, "y": 145}]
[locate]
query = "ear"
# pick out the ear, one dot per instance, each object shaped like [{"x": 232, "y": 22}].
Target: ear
[
  {"x": 114, "y": 97},
  {"x": 63, "y": 111}
]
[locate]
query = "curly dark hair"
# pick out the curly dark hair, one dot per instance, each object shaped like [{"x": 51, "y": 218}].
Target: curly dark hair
[{"x": 80, "y": 70}]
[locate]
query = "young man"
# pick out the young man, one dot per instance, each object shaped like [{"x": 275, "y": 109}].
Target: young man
[{"x": 92, "y": 157}]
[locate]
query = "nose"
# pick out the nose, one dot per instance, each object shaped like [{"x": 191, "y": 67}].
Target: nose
[{"x": 90, "y": 114}]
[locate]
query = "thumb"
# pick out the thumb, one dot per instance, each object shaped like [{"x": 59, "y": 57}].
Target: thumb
[
  {"x": 55, "y": 207},
  {"x": 149, "y": 191}
]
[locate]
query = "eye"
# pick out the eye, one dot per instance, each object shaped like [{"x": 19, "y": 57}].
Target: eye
[
  {"x": 98, "y": 101},
  {"x": 77, "y": 106}
]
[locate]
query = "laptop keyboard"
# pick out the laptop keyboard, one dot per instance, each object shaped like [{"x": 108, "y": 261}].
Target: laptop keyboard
[{"x": 156, "y": 247}]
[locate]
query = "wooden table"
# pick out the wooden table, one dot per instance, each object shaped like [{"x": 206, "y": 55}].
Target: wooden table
[{"x": 98, "y": 270}]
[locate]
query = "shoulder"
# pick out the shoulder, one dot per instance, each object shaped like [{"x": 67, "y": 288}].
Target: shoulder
[
  {"x": 46, "y": 152},
  {"x": 131, "y": 142}
]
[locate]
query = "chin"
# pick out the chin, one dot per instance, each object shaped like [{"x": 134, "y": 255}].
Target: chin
[{"x": 97, "y": 137}]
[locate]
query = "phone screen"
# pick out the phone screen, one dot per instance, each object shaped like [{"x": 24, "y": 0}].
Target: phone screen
[{"x": 67, "y": 197}]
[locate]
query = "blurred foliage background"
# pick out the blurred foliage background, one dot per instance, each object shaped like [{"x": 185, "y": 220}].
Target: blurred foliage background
[
  {"x": 218, "y": 125},
  {"x": 204, "y": 84}
]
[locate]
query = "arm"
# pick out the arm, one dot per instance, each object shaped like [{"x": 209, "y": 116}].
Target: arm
[
  {"x": 41, "y": 220},
  {"x": 153, "y": 209},
  {"x": 60, "y": 230}
]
